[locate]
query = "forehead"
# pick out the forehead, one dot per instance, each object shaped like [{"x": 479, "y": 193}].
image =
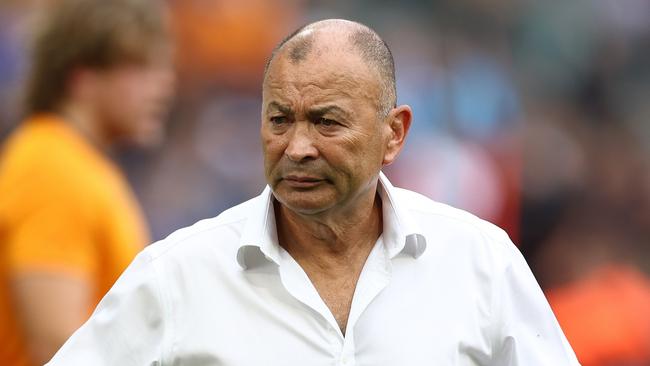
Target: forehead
[{"x": 324, "y": 72}]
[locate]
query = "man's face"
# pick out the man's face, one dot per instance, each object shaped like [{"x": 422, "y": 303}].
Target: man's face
[
  {"x": 322, "y": 138},
  {"x": 132, "y": 100}
]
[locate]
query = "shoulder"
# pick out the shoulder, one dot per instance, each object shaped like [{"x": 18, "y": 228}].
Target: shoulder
[
  {"x": 45, "y": 162},
  {"x": 456, "y": 234},
  {"x": 205, "y": 238},
  {"x": 44, "y": 153},
  {"x": 425, "y": 210},
  {"x": 473, "y": 251}
]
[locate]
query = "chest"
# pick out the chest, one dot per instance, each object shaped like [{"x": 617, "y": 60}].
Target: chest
[
  {"x": 276, "y": 319},
  {"x": 337, "y": 293}
]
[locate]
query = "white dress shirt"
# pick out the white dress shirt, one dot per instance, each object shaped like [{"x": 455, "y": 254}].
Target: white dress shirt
[{"x": 440, "y": 287}]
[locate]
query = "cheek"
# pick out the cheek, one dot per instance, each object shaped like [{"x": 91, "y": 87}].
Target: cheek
[
  {"x": 139, "y": 95},
  {"x": 121, "y": 98},
  {"x": 141, "y": 91},
  {"x": 272, "y": 148},
  {"x": 363, "y": 153},
  {"x": 360, "y": 145},
  {"x": 113, "y": 104},
  {"x": 127, "y": 116},
  {"x": 270, "y": 143}
]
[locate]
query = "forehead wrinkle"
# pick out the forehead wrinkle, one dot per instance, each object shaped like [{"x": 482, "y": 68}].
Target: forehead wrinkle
[
  {"x": 321, "y": 80},
  {"x": 333, "y": 85},
  {"x": 306, "y": 91},
  {"x": 322, "y": 51},
  {"x": 317, "y": 108},
  {"x": 327, "y": 108}
]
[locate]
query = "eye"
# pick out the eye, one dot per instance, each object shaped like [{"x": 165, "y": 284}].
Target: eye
[
  {"x": 326, "y": 122},
  {"x": 278, "y": 120}
]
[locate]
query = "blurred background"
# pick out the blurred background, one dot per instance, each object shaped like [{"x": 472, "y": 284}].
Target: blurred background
[{"x": 534, "y": 115}]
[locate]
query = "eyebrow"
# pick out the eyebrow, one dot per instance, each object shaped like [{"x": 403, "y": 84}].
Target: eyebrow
[
  {"x": 314, "y": 112},
  {"x": 280, "y": 107},
  {"x": 320, "y": 111}
]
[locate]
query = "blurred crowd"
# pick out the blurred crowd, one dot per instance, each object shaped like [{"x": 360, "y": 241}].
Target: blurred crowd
[{"x": 534, "y": 115}]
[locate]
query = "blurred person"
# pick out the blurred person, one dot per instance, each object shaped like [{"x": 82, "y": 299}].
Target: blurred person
[
  {"x": 605, "y": 315},
  {"x": 100, "y": 79},
  {"x": 590, "y": 262},
  {"x": 595, "y": 288},
  {"x": 331, "y": 264}
]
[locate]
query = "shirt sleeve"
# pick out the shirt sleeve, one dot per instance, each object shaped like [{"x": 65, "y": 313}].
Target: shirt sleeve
[
  {"x": 528, "y": 333},
  {"x": 128, "y": 326}
]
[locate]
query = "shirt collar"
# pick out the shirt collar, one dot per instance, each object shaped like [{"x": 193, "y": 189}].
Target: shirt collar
[
  {"x": 259, "y": 241},
  {"x": 401, "y": 232}
]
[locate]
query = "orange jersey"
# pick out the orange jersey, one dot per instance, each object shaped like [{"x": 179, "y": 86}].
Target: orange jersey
[{"x": 64, "y": 209}]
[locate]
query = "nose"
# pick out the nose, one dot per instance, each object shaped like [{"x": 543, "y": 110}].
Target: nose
[{"x": 301, "y": 143}]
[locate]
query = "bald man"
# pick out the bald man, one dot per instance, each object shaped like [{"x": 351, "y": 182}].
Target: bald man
[{"x": 331, "y": 264}]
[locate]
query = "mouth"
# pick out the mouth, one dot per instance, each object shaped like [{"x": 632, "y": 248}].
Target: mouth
[{"x": 302, "y": 181}]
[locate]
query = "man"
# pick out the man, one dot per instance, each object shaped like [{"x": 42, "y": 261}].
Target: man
[
  {"x": 69, "y": 224},
  {"x": 330, "y": 264}
]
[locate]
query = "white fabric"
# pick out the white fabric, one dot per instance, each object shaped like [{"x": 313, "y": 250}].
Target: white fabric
[{"x": 440, "y": 287}]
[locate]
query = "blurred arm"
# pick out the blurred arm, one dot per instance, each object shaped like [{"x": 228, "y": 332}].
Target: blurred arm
[
  {"x": 129, "y": 326},
  {"x": 51, "y": 307}
]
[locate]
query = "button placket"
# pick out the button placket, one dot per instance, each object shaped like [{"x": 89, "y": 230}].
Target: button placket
[{"x": 346, "y": 357}]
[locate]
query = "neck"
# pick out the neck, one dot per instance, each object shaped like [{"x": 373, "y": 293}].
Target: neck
[
  {"x": 86, "y": 123},
  {"x": 331, "y": 240}
]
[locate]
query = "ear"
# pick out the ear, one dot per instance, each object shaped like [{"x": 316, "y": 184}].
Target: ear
[{"x": 399, "y": 122}]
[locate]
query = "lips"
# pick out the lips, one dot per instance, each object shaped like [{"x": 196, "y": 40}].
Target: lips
[{"x": 302, "y": 181}]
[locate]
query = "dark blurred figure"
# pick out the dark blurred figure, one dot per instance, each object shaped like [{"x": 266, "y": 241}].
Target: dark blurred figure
[
  {"x": 591, "y": 257},
  {"x": 597, "y": 292},
  {"x": 100, "y": 78}
]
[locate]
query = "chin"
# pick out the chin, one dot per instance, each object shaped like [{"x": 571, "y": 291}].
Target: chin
[
  {"x": 303, "y": 205},
  {"x": 150, "y": 141},
  {"x": 147, "y": 137},
  {"x": 306, "y": 210}
]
